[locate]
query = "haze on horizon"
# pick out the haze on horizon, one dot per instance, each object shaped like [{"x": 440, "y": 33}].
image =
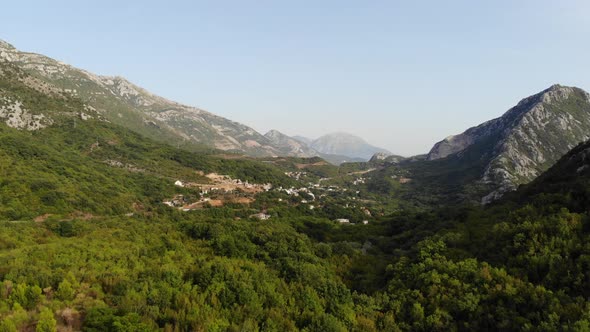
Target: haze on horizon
[{"x": 400, "y": 75}]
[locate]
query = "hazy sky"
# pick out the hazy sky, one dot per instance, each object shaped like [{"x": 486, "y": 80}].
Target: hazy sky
[{"x": 401, "y": 74}]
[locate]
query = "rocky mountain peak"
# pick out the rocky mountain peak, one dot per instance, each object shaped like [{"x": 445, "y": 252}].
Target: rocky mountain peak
[
  {"x": 554, "y": 93},
  {"x": 558, "y": 92},
  {"x": 274, "y": 133},
  {"x": 518, "y": 146},
  {"x": 529, "y": 110}
]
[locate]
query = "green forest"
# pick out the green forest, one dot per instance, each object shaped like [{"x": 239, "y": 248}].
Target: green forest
[{"x": 512, "y": 266}]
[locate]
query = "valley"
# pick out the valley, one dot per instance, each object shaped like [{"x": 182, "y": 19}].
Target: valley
[{"x": 123, "y": 211}]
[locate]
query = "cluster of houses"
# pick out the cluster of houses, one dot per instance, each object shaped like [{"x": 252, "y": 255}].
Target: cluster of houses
[
  {"x": 296, "y": 192},
  {"x": 229, "y": 190},
  {"x": 220, "y": 190},
  {"x": 347, "y": 222},
  {"x": 296, "y": 175},
  {"x": 176, "y": 201},
  {"x": 358, "y": 181},
  {"x": 226, "y": 184}
]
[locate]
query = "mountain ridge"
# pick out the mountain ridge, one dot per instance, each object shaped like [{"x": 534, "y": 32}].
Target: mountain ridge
[
  {"x": 525, "y": 140},
  {"x": 125, "y": 103}
]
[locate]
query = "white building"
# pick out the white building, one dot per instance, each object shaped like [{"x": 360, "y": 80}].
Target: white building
[{"x": 261, "y": 216}]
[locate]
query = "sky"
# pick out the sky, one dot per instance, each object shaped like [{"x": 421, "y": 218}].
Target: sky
[{"x": 400, "y": 74}]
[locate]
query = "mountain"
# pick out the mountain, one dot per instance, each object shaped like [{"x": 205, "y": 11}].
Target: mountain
[
  {"x": 58, "y": 155},
  {"x": 345, "y": 145},
  {"x": 299, "y": 146},
  {"x": 126, "y": 104},
  {"x": 530, "y": 137},
  {"x": 302, "y": 139},
  {"x": 289, "y": 146}
]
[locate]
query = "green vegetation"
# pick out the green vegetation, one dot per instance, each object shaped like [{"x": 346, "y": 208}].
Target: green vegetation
[
  {"x": 469, "y": 268},
  {"x": 86, "y": 243}
]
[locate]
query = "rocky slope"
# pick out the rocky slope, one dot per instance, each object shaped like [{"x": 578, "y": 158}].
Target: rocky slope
[
  {"x": 526, "y": 140},
  {"x": 569, "y": 177},
  {"x": 289, "y": 146},
  {"x": 124, "y": 103},
  {"x": 382, "y": 157},
  {"x": 344, "y": 144}
]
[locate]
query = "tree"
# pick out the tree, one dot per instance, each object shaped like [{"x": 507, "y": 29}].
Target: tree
[
  {"x": 65, "y": 291},
  {"x": 47, "y": 322},
  {"x": 99, "y": 319},
  {"x": 7, "y": 325}
]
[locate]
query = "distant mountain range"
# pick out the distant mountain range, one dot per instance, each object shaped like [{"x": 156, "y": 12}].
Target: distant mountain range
[
  {"x": 498, "y": 155},
  {"x": 335, "y": 147},
  {"x": 133, "y": 107},
  {"x": 345, "y": 145}
]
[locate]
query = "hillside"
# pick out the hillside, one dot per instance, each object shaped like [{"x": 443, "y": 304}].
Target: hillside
[
  {"x": 126, "y": 104},
  {"x": 532, "y": 245},
  {"x": 566, "y": 183},
  {"x": 87, "y": 243},
  {"x": 486, "y": 161},
  {"x": 525, "y": 141},
  {"x": 58, "y": 155}
]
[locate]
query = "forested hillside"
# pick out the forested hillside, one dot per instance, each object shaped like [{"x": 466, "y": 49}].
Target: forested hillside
[{"x": 520, "y": 264}]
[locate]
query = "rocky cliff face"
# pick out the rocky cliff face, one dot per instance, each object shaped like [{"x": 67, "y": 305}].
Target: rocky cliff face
[
  {"x": 124, "y": 103},
  {"x": 526, "y": 140}
]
